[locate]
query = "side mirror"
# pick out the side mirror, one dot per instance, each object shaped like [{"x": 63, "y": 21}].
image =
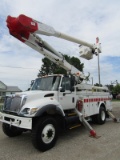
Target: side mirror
[
  {"x": 32, "y": 82},
  {"x": 61, "y": 89}
]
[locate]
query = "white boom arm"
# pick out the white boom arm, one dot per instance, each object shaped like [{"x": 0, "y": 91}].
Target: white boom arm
[
  {"x": 26, "y": 29},
  {"x": 85, "y": 52}
]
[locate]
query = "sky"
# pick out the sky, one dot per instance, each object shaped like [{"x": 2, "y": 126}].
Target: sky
[{"x": 85, "y": 20}]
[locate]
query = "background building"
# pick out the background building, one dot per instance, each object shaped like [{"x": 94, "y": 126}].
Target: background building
[{"x": 6, "y": 90}]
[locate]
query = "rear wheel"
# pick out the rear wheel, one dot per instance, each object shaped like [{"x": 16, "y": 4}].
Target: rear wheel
[
  {"x": 45, "y": 133},
  {"x": 101, "y": 117},
  {"x": 11, "y": 131}
]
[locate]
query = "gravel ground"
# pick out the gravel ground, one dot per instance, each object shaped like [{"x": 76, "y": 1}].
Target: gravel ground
[{"x": 73, "y": 145}]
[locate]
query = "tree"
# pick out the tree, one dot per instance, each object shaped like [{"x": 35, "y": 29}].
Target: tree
[
  {"x": 48, "y": 67},
  {"x": 110, "y": 87},
  {"x": 116, "y": 89}
]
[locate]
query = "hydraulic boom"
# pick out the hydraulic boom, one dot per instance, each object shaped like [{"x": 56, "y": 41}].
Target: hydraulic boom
[{"x": 26, "y": 29}]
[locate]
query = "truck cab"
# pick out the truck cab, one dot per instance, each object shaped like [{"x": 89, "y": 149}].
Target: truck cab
[{"x": 58, "y": 86}]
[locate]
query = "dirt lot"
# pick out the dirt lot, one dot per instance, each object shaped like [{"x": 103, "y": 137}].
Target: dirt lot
[{"x": 73, "y": 145}]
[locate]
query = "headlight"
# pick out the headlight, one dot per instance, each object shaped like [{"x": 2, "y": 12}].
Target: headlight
[
  {"x": 33, "y": 110},
  {"x": 26, "y": 111},
  {"x": 30, "y": 111}
]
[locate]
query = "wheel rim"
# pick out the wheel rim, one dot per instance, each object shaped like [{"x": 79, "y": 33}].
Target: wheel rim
[
  {"x": 48, "y": 133},
  {"x": 103, "y": 115}
]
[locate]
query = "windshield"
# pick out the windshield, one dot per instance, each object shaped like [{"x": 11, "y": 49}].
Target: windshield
[{"x": 46, "y": 83}]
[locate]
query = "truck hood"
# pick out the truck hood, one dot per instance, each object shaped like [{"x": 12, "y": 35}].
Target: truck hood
[
  {"x": 36, "y": 95},
  {"x": 33, "y": 99}
]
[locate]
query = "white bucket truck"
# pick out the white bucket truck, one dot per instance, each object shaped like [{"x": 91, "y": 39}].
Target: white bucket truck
[{"x": 54, "y": 101}]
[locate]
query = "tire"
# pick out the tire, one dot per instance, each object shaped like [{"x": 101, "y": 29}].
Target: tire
[
  {"x": 101, "y": 117},
  {"x": 45, "y": 134},
  {"x": 11, "y": 131}
]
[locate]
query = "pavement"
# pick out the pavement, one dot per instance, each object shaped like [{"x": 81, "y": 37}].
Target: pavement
[{"x": 71, "y": 145}]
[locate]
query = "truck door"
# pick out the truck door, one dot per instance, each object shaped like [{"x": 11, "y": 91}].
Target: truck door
[{"x": 66, "y": 96}]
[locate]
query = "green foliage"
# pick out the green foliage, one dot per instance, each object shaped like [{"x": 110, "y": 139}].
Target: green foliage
[
  {"x": 48, "y": 67},
  {"x": 110, "y": 87},
  {"x": 116, "y": 89},
  {"x": 76, "y": 63}
]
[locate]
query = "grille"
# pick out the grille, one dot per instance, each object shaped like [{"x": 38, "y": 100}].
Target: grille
[{"x": 12, "y": 104}]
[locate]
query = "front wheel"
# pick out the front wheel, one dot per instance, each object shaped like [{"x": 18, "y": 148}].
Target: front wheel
[{"x": 45, "y": 133}]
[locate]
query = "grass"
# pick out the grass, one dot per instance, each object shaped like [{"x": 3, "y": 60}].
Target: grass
[{"x": 115, "y": 100}]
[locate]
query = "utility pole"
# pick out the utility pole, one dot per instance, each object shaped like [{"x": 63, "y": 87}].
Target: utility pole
[
  {"x": 97, "y": 41},
  {"x": 99, "y": 70}
]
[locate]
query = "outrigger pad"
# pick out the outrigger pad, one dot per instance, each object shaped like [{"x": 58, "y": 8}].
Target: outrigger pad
[{"x": 93, "y": 134}]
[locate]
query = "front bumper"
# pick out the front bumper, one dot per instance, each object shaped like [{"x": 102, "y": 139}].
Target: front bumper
[{"x": 21, "y": 122}]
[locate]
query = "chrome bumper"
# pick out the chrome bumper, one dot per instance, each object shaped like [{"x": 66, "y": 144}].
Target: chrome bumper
[{"x": 21, "y": 122}]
